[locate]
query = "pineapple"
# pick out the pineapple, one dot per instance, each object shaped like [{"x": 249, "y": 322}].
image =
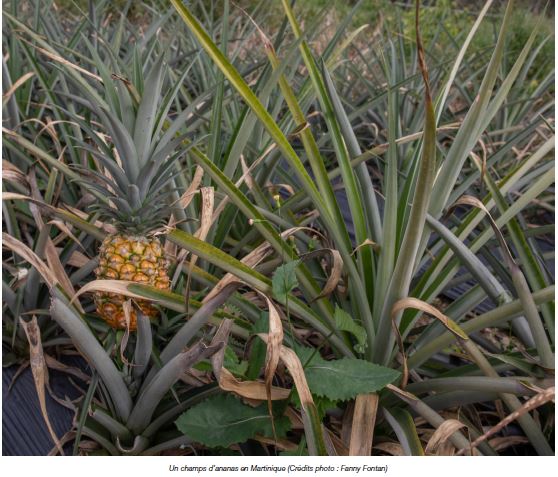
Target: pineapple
[
  {"x": 133, "y": 189},
  {"x": 128, "y": 257}
]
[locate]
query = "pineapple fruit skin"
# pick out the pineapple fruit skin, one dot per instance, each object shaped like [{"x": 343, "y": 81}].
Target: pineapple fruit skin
[{"x": 134, "y": 258}]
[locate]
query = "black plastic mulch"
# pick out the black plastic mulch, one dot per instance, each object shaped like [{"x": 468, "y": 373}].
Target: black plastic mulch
[{"x": 24, "y": 431}]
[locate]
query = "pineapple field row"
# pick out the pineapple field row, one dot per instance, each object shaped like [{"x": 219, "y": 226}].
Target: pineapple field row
[{"x": 250, "y": 230}]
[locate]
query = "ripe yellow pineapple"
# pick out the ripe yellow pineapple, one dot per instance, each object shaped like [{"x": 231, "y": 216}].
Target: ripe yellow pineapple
[
  {"x": 133, "y": 185},
  {"x": 139, "y": 259}
]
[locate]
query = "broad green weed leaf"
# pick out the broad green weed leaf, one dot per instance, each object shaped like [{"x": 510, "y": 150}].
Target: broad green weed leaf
[
  {"x": 224, "y": 420},
  {"x": 344, "y": 378},
  {"x": 284, "y": 280},
  {"x": 233, "y": 363},
  {"x": 345, "y": 322}
]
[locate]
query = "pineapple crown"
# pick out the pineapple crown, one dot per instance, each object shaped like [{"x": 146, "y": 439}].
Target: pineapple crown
[{"x": 132, "y": 184}]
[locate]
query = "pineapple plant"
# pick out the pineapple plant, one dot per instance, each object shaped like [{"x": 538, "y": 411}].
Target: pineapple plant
[{"x": 132, "y": 186}]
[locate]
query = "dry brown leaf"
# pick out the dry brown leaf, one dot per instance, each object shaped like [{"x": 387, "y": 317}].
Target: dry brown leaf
[
  {"x": 293, "y": 364},
  {"x": 15, "y": 196},
  {"x": 37, "y": 199},
  {"x": 219, "y": 209},
  {"x": 545, "y": 383},
  {"x": 64, "y": 402},
  {"x": 88, "y": 445},
  {"x": 8, "y": 166},
  {"x": 442, "y": 434},
  {"x": 56, "y": 266},
  {"x": 106, "y": 227},
  {"x": 404, "y": 395},
  {"x": 207, "y": 202},
  {"x": 66, "y": 230},
  {"x": 221, "y": 336},
  {"x": 77, "y": 259},
  {"x": 53, "y": 363},
  {"x": 247, "y": 389},
  {"x": 347, "y": 423},
  {"x": 22, "y": 367},
  {"x": 501, "y": 443},
  {"x": 206, "y": 220},
  {"x": 128, "y": 85},
  {"x": 446, "y": 449},
  {"x": 367, "y": 243},
  {"x": 334, "y": 444},
  {"x": 391, "y": 448},
  {"x": 274, "y": 343},
  {"x": 28, "y": 255},
  {"x": 7, "y": 95},
  {"x": 250, "y": 389},
  {"x": 246, "y": 173},
  {"x": 417, "y": 304},
  {"x": 277, "y": 187},
  {"x": 40, "y": 371},
  {"x": 251, "y": 260},
  {"x": 364, "y": 420},
  {"x": 297, "y": 131},
  {"x": 127, "y": 309},
  {"x": 111, "y": 286},
  {"x": 170, "y": 249},
  {"x": 68, "y": 437},
  {"x": 192, "y": 190},
  {"x": 480, "y": 162},
  {"x": 295, "y": 418},
  {"x": 13, "y": 174},
  {"x": 51, "y": 131},
  {"x": 533, "y": 403},
  {"x": 59, "y": 59},
  {"x": 50, "y": 251},
  {"x": 53, "y": 210},
  {"x": 336, "y": 270}
]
